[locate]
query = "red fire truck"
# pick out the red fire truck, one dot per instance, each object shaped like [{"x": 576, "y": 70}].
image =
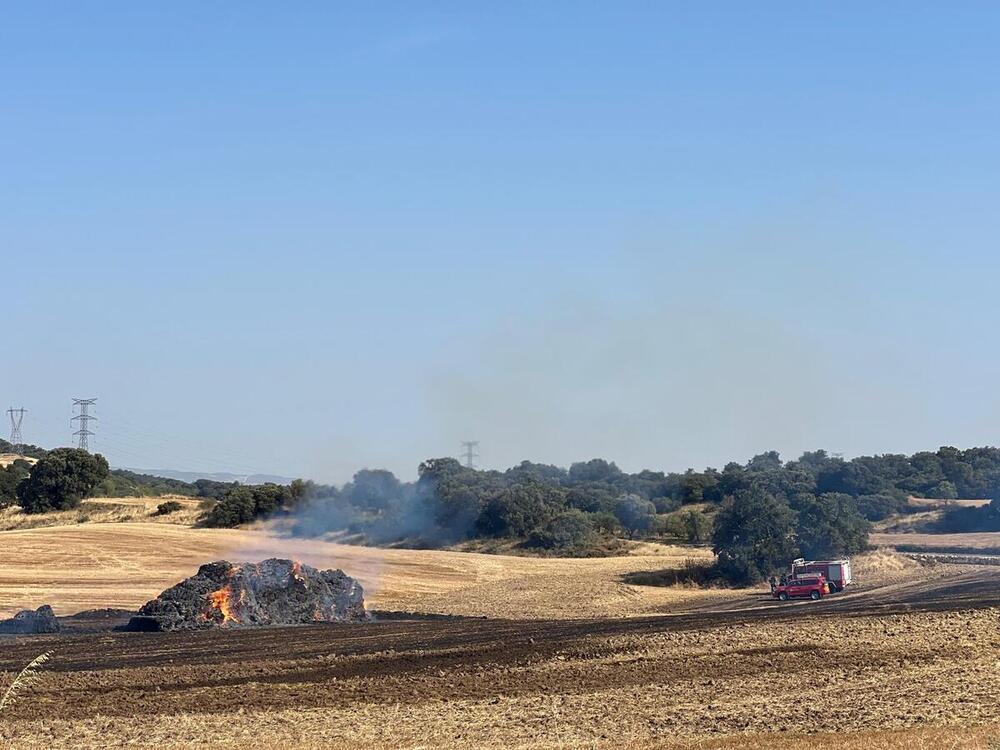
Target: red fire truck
[{"x": 837, "y": 573}]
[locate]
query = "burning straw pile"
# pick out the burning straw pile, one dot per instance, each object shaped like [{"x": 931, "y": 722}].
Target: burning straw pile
[{"x": 273, "y": 592}]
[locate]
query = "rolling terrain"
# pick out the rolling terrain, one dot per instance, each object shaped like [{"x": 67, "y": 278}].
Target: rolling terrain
[{"x": 491, "y": 651}]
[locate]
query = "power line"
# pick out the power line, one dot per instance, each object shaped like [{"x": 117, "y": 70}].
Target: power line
[
  {"x": 471, "y": 452},
  {"x": 84, "y": 432},
  {"x": 165, "y": 443},
  {"x": 16, "y": 418}
]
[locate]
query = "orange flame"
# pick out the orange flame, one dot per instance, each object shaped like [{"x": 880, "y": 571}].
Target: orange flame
[{"x": 222, "y": 601}]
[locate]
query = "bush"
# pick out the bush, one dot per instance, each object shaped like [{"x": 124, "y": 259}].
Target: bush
[
  {"x": 165, "y": 509},
  {"x": 691, "y": 573},
  {"x": 571, "y": 530},
  {"x": 878, "y": 507},
  {"x": 958, "y": 519},
  {"x": 666, "y": 505},
  {"x": 243, "y": 504},
  {"x": 61, "y": 479}
]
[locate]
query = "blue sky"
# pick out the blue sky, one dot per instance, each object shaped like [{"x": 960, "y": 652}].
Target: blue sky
[{"x": 310, "y": 239}]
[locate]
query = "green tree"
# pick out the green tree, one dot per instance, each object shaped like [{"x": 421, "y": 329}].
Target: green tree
[
  {"x": 594, "y": 470},
  {"x": 830, "y": 525},
  {"x": 373, "y": 489},
  {"x": 636, "y": 515},
  {"x": 571, "y": 530},
  {"x": 697, "y": 527},
  {"x": 10, "y": 477},
  {"x": 61, "y": 479},
  {"x": 519, "y": 509},
  {"x": 753, "y": 536}
]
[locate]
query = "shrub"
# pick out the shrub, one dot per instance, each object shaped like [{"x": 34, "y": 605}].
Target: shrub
[
  {"x": 878, "y": 507},
  {"x": 164, "y": 509},
  {"x": 243, "y": 504},
  {"x": 666, "y": 505},
  {"x": 691, "y": 573}
]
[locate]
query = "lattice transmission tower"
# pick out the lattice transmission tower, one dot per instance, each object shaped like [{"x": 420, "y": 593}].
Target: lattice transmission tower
[
  {"x": 16, "y": 418},
  {"x": 83, "y": 434},
  {"x": 471, "y": 452}
]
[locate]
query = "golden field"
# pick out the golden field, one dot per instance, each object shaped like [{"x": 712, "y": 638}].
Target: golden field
[{"x": 535, "y": 653}]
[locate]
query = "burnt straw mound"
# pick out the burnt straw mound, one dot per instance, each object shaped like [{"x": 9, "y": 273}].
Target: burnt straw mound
[
  {"x": 28, "y": 622},
  {"x": 273, "y": 592}
]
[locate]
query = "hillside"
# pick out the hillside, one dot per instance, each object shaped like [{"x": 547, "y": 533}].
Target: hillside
[
  {"x": 214, "y": 476},
  {"x": 6, "y": 459}
]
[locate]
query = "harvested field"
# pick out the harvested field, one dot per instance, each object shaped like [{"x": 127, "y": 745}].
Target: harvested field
[
  {"x": 104, "y": 510},
  {"x": 916, "y": 663},
  {"x": 971, "y": 542},
  {"x": 536, "y": 653},
  {"x": 124, "y": 565}
]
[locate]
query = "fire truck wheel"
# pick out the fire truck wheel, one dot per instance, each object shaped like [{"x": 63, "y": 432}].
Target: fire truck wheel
[
  {"x": 783, "y": 596},
  {"x": 814, "y": 595}
]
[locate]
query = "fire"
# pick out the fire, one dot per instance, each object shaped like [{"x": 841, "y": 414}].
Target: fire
[{"x": 222, "y": 601}]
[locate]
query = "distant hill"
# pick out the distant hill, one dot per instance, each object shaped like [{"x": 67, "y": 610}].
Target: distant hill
[{"x": 217, "y": 476}]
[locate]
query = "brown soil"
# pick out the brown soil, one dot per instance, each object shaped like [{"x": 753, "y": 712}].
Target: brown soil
[{"x": 911, "y": 656}]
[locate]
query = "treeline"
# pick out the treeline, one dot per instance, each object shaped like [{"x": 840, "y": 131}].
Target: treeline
[
  {"x": 757, "y": 515},
  {"x": 63, "y": 477},
  {"x": 30, "y": 451},
  {"x": 124, "y": 483},
  {"x": 57, "y": 481}
]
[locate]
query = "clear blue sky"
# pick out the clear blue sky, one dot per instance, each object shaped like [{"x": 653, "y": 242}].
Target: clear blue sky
[{"x": 307, "y": 238}]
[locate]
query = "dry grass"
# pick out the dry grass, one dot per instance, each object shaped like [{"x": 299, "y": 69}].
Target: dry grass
[
  {"x": 905, "y": 681},
  {"x": 103, "y": 510},
  {"x": 909, "y": 681},
  {"x": 23, "y": 681},
  {"x": 986, "y": 540},
  {"x": 97, "y": 565},
  {"x": 6, "y": 459},
  {"x": 930, "y": 503}
]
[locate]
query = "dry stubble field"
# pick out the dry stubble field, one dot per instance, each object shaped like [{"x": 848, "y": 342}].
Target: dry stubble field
[{"x": 539, "y": 653}]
